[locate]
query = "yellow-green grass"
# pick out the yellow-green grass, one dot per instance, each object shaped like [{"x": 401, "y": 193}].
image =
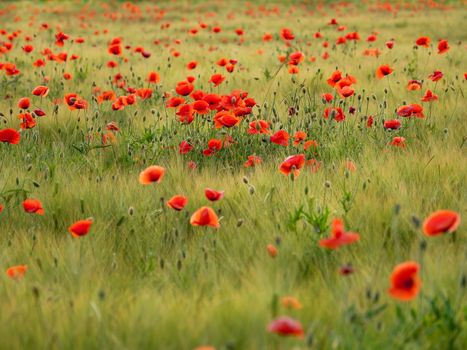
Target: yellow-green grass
[{"x": 145, "y": 278}]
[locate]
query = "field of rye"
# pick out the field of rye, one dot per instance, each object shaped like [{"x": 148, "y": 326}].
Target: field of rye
[{"x": 222, "y": 175}]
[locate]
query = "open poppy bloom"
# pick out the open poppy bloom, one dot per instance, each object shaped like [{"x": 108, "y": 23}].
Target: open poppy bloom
[
  {"x": 286, "y": 326},
  {"x": 205, "y": 216},
  {"x": 436, "y": 75},
  {"x": 423, "y": 41},
  {"x": 33, "y": 206},
  {"x": 10, "y": 136},
  {"x": 214, "y": 145},
  {"x": 41, "y": 91},
  {"x": 413, "y": 110},
  {"x": 405, "y": 283},
  {"x": 383, "y": 70},
  {"x": 281, "y": 138},
  {"x": 227, "y": 119},
  {"x": 177, "y": 202},
  {"x": 441, "y": 222},
  {"x": 339, "y": 236},
  {"x": 154, "y": 173},
  {"x": 81, "y": 228},
  {"x": 398, "y": 141},
  {"x": 392, "y": 124},
  {"x": 335, "y": 113},
  {"x": 292, "y": 164},
  {"x": 429, "y": 96},
  {"x": 258, "y": 127},
  {"x": 16, "y": 272},
  {"x": 217, "y": 79},
  {"x": 213, "y": 195},
  {"x": 443, "y": 47},
  {"x": 24, "y": 103}
]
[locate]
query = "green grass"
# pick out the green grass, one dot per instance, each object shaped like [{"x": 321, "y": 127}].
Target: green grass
[{"x": 144, "y": 278}]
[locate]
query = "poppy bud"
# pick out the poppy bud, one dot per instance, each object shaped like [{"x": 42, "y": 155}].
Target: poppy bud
[
  {"x": 422, "y": 246},
  {"x": 397, "y": 209},
  {"x": 131, "y": 211},
  {"x": 35, "y": 292},
  {"x": 416, "y": 221}
]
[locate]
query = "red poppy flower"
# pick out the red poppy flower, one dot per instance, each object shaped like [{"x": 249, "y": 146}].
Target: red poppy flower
[
  {"x": 184, "y": 147},
  {"x": 405, "y": 283},
  {"x": 335, "y": 77},
  {"x": 299, "y": 137},
  {"x": 227, "y": 119},
  {"x": 41, "y": 91},
  {"x": 192, "y": 65},
  {"x": 383, "y": 70},
  {"x": 258, "y": 127},
  {"x": 339, "y": 236},
  {"x": 423, "y": 41},
  {"x": 151, "y": 174},
  {"x": 154, "y": 77},
  {"x": 214, "y": 145},
  {"x": 115, "y": 50},
  {"x": 413, "y": 110},
  {"x": 429, "y": 96},
  {"x": 205, "y": 216},
  {"x": 81, "y": 228},
  {"x": 443, "y": 47},
  {"x": 286, "y": 34},
  {"x": 292, "y": 164},
  {"x": 10, "y": 136},
  {"x": 414, "y": 85},
  {"x": 24, "y": 103},
  {"x": 201, "y": 107},
  {"x": 177, "y": 202},
  {"x": 217, "y": 79},
  {"x": 252, "y": 161},
  {"x": 398, "y": 141},
  {"x": 186, "y": 113},
  {"x": 335, "y": 112},
  {"x": 213, "y": 100},
  {"x": 272, "y": 250},
  {"x": 286, "y": 326},
  {"x": 213, "y": 195},
  {"x": 296, "y": 57},
  {"x": 441, "y": 222},
  {"x": 33, "y": 206},
  {"x": 281, "y": 138},
  {"x": 184, "y": 88},
  {"x": 16, "y": 272},
  {"x": 27, "y": 121},
  {"x": 436, "y": 75},
  {"x": 346, "y": 91},
  {"x": 392, "y": 124}
]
